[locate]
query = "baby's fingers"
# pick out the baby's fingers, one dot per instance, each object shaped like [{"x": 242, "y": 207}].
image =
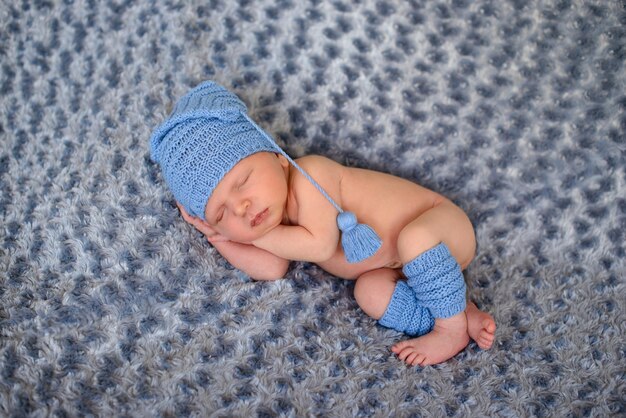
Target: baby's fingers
[
  {"x": 187, "y": 217},
  {"x": 201, "y": 226},
  {"x": 216, "y": 238},
  {"x": 198, "y": 223}
]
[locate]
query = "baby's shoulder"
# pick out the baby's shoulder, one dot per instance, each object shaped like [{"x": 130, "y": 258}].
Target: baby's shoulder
[
  {"x": 322, "y": 169},
  {"x": 317, "y": 163},
  {"x": 326, "y": 172}
]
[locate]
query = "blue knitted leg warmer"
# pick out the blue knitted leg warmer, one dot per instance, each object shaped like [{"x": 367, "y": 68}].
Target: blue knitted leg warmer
[
  {"x": 437, "y": 281},
  {"x": 404, "y": 314}
]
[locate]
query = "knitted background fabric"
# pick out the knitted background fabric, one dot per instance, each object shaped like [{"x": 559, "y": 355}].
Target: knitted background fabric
[{"x": 110, "y": 305}]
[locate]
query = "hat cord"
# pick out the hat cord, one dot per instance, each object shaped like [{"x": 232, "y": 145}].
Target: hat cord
[{"x": 359, "y": 241}]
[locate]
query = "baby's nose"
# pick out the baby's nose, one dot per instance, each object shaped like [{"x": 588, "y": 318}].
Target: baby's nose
[{"x": 242, "y": 207}]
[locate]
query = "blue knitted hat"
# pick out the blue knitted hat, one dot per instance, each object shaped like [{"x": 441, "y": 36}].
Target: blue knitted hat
[
  {"x": 208, "y": 132},
  {"x": 203, "y": 138}
]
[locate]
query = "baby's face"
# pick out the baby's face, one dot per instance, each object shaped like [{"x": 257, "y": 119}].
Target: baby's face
[{"x": 251, "y": 198}]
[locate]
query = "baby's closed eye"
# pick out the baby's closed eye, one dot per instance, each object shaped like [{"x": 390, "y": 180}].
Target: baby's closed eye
[
  {"x": 219, "y": 216},
  {"x": 243, "y": 182}
]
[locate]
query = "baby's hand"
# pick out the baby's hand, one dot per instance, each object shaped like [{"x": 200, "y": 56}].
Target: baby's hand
[{"x": 201, "y": 226}]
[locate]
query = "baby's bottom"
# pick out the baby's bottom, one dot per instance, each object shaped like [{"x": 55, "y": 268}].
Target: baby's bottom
[{"x": 444, "y": 223}]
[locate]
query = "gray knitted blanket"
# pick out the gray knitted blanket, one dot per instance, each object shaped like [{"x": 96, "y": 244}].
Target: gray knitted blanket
[{"x": 110, "y": 305}]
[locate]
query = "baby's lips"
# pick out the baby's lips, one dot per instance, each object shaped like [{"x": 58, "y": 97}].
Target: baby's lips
[{"x": 259, "y": 218}]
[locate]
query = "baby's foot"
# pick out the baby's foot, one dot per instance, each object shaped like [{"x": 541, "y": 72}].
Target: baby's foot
[
  {"x": 448, "y": 337},
  {"x": 480, "y": 326}
]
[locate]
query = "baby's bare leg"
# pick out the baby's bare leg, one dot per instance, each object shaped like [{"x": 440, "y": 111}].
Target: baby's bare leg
[
  {"x": 373, "y": 290},
  {"x": 446, "y": 223},
  {"x": 433, "y": 248}
]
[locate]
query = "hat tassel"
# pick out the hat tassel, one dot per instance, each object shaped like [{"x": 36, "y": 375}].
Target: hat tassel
[{"x": 359, "y": 241}]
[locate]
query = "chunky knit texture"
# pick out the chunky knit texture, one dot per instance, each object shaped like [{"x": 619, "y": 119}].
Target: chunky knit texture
[
  {"x": 437, "y": 281},
  {"x": 202, "y": 140},
  {"x": 404, "y": 313}
]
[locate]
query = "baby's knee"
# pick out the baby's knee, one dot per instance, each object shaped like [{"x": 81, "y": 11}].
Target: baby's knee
[
  {"x": 467, "y": 252},
  {"x": 416, "y": 238},
  {"x": 463, "y": 244},
  {"x": 446, "y": 224},
  {"x": 373, "y": 291}
]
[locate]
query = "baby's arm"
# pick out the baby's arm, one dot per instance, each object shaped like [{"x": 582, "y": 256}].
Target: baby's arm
[
  {"x": 315, "y": 236},
  {"x": 299, "y": 243},
  {"x": 255, "y": 262}
]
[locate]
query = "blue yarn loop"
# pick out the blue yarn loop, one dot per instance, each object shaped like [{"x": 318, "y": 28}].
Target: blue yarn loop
[{"x": 359, "y": 241}]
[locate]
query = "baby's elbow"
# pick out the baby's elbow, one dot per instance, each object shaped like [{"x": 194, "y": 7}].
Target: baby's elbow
[
  {"x": 323, "y": 253},
  {"x": 277, "y": 270}
]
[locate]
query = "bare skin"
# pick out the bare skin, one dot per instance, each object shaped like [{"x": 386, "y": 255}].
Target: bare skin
[{"x": 264, "y": 213}]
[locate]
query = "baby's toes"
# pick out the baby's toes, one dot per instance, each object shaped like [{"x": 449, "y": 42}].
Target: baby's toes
[
  {"x": 398, "y": 347},
  {"x": 405, "y": 353},
  {"x": 485, "y": 341},
  {"x": 418, "y": 360},
  {"x": 489, "y": 326},
  {"x": 411, "y": 358}
]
